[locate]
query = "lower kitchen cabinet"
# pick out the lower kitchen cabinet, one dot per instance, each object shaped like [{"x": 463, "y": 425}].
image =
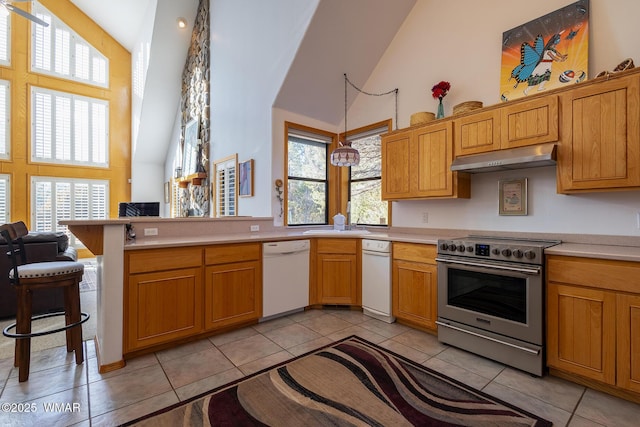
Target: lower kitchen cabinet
[
  {"x": 163, "y": 296},
  {"x": 415, "y": 284},
  {"x": 593, "y": 319},
  {"x": 337, "y": 271},
  {"x": 581, "y": 332},
  {"x": 233, "y": 285}
]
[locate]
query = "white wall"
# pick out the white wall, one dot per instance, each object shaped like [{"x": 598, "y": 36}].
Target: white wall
[
  {"x": 460, "y": 41},
  {"x": 252, "y": 46}
]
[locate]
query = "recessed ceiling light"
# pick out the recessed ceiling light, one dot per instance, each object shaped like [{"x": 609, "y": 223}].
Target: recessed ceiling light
[{"x": 182, "y": 23}]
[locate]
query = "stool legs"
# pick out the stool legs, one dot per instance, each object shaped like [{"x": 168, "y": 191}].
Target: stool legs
[
  {"x": 23, "y": 326},
  {"x": 72, "y": 315}
]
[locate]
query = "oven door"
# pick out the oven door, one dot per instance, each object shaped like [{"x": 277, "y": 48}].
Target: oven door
[{"x": 501, "y": 297}]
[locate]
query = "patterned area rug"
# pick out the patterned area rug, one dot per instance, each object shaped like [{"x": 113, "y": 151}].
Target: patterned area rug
[{"x": 351, "y": 382}]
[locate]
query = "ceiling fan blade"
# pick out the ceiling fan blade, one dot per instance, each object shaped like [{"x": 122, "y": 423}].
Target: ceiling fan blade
[{"x": 26, "y": 15}]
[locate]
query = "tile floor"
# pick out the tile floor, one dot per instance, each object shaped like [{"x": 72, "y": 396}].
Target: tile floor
[{"x": 157, "y": 380}]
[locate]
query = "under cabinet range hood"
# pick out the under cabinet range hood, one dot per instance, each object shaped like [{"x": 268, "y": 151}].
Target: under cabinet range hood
[{"x": 513, "y": 158}]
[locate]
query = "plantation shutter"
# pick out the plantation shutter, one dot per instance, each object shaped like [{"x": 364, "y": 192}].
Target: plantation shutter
[
  {"x": 69, "y": 129},
  {"x": 5, "y": 121},
  {"x": 59, "y": 51},
  {"x": 4, "y": 199},
  {"x": 57, "y": 199},
  {"x": 226, "y": 191},
  {"x": 5, "y": 40}
]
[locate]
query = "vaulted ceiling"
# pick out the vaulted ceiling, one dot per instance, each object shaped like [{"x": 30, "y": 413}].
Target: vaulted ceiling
[{"x": 344, "y": 36}]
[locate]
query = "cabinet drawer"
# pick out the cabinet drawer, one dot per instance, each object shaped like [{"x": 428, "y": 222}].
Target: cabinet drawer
[
  {"x": 596, "y": 273},
  {"x": 415, "y": 252},
  {"x": 224, "y": 254},
  {"x": 337, "y": 246},
  {"x": 164, "y": 259}
]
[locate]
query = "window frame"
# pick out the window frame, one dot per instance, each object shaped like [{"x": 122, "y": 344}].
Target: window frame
[
  {"x": 5, "y": 179},
  {"x": 331, "y": 188},
  {"x": 75, "y": 41},
  {"x": 6, "y": 154},
  {"x": 34, "y": 90},
  {"x": 227, "y": 194},
  {"x": 346, "y": 175},
  {"x": 54, "y": 219}
]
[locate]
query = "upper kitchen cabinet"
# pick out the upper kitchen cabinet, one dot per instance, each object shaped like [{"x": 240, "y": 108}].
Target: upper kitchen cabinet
[
  {"x": 600, "y": 147},
  {"x": 416, "y": 164},
  {"x": 512, "y": 125},
  {"x": 529, "y": 123},
  {"x": 477, "y": 133}
]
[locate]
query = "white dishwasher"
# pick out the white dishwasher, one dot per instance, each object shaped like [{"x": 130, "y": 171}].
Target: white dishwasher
[
  {"x": 285, "y": 277},
  {"x": 376, "y": 279}
]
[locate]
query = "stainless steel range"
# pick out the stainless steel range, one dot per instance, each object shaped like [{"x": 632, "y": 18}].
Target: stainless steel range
[{"x": 491, "y": 298}]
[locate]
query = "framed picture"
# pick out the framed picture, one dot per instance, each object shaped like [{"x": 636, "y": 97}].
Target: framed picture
[
  {"x": 513, "y": 197},
  {"x": 190, "y": 148},
  {"x": 246, "y": 178},
  {"x": 549, "y": 52}
]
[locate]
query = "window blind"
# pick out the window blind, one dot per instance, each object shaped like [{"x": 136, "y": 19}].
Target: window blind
[{"x": 5, "y": 197}]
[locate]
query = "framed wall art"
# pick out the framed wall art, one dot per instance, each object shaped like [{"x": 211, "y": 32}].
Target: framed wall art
[
  {"x": 546, "y": 53},
  {"x": 190, "y": 148},
  {"x": 246, "y": 178},
  {"x": 513, "y": 197}
]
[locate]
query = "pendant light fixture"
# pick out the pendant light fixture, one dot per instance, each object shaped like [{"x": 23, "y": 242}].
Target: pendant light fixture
[{"x": 345, "y": 154}]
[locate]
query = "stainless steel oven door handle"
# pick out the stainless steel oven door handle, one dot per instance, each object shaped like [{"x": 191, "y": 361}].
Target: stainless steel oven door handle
[
  {"x": 532, "y": 270},
  {"x": 519, "y": 347}
]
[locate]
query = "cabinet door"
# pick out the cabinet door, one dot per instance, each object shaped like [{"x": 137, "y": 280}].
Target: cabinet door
[
  {"x": 628, "y": 312},
  {"x": 477, "y": 133},
  {"x": 581, "y": 331},
  {"x": 337, "y": 279},
  {"x": 163, "y": 306},
  {"x": 601, "y": 135},
  {"x": 431, "y": 157},
  {"x": 415, "y": 297},
  {"x": 529, "y": 123},
  {"x": 395, "y": 166},
  {"x": 232, "y": 294}
]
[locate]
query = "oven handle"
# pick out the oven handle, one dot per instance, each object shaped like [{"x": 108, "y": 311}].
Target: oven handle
[
  {"x": 528, "y": 350},
  {"x": 533, "y": 270}
]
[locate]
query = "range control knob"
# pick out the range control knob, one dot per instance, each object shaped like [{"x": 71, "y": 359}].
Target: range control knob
[
  {"x": 461, "y": 248},
  {"x": 517, "y": 253},
  {"x": 506, "y": 252},
  {"x": 452, "y": 247},
  {"x": 529, "y": 254},
  {"x": 444, "y": 246},
  {"x": 495, "y": 251},
  {"x": 469, "y": 248}
]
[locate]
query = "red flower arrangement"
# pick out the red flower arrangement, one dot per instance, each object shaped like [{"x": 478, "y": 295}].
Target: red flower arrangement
[{"x": 441, "y": 89}]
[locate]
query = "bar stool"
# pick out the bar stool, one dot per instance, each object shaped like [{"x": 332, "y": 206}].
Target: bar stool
[{"x": 28, "y": 278}]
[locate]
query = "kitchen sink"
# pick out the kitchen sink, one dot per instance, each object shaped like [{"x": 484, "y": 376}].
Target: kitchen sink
[{"x": 334, "y": 232}]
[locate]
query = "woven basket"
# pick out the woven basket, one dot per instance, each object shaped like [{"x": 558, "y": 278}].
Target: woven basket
[
  {"x": 421, "y": 117},
  {"x": 466, "y": 106}
]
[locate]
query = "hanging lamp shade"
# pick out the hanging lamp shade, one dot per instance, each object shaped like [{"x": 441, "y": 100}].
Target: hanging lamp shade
[{"x": 345, "y": 155}]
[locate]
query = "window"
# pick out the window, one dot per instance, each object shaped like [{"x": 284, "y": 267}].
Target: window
[
  {"x": 365, "y": 181},
  {"x": 307, "y": 176},
  {"x": 225, "y": 185},
  {"x": 59, "y": 51},
  {"x": 5, "y": 119},
  {"x": 56, "y": 199},
  {"x": 5, "y": 197},
  {"x": 69, "y": 129},
  {"x": 5, "y": 39}
]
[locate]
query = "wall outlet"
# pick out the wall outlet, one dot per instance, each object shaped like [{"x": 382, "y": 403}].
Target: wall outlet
[
  {"x": 150, "y": 231},
  {"x": 425, "y": 217},
  {"x": 255, "y": 228}
]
